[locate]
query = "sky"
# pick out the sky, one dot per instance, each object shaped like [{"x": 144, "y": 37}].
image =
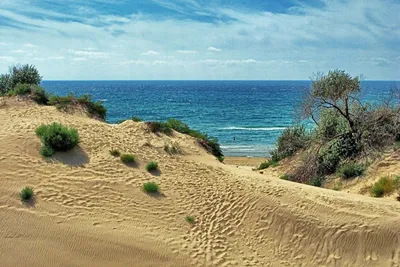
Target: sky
[{"x": 201, "y": 40}]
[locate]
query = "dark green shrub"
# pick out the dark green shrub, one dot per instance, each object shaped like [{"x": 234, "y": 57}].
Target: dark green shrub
[
  {"x": 57, "y": 137},
  {"x": 39, "y": 95},
  {"x": 350, "y": 170},
  {"x": 384, "y": 186},
  {"x": 136, "y": 119},
  {"x": 290, "y": 141},
  {"x": 150, "y": 187},
  {"x": 157, "y": 126},
  {"x": 328, "y": 160},
  {"x": 285, "y": 177},
  {"x": 179, "y": 126},
  {"x": 317, "y": 181},
  {"x": 20, "y": 89},
  {"x": 5, "y": 84},
  {"x": 26, "y": 193},
  {"x": 152, "y": 166},
  {"x": 221, "y": 158},
  {"x": 128, "y": 158},
  {"x": 190, "y": 219},
  {"x": 94, "y": 109},
  {"x": 115, "y": 152},
  {"x": 25, "y": 74},
  {"x": 46, "y": 151},
  {"x": 267, "y": 164}
]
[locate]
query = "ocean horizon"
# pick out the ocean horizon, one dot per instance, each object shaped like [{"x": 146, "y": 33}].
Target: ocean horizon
[{"x": 246, "y": 116}]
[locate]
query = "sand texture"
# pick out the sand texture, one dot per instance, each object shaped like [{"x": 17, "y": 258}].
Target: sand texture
[{"x": 90, "y": 209}]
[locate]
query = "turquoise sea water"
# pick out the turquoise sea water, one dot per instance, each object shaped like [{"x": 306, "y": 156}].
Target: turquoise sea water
[{"x": 246, "y": 116}]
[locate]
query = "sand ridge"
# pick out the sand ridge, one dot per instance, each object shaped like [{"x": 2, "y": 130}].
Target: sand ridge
[{"x": 91, "y": 211}]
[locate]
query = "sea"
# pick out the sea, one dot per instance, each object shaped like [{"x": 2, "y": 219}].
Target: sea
[{"x": 246, "y": 116}]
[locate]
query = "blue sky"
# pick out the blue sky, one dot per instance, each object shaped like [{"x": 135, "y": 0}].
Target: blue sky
[{"x": 198, "y": 39}]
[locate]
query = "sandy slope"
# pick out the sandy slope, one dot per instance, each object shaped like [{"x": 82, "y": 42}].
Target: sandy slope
[{"x": 90, "y": 210}]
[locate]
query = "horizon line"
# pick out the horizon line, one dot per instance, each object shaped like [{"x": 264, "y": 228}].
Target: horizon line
[{"x": 200, "y": 80}]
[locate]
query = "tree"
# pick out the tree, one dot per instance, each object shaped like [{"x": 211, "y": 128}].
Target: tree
[{"x": 19, "y": 74}]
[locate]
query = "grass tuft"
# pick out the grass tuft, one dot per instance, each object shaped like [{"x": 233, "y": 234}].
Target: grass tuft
[
  {"x": 152, "y": 166},
  {"x": 26, "y": 193},
  {"x": 385, "y": 186},
  {"x": 350, "y": 170},
  {"x": 128, "y": 158},
  {"x": 150, "y": 187},
  {"x": 267, "y": 164},
  {"x": 190, "y": 219},
  {"x": 115, "y": 152}
]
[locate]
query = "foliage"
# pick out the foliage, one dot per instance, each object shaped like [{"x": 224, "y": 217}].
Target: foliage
[
  {"x": 290, "y": 141},
  {"x": 189, "y": 219},
  {"x": 46, "y": 151},
  {"x": 150, "y": 187},
  {"x": 39, "y": 95},
  {"x": 19, "y": 74},
  {"x": 94, "y": 109},
  {"x": 385, "y": 186},
  {"x": 157, "y": 126},
  {"x": 221, "y": 159},
  {"x": 115, "y": 152},
  {"x": 152, "y": 166},
  {"x": 5, "y": 84},
  {"x": 136, "y": 119},
  {"x": 20, "y": 89},
  {"x": 26, "y": 193},
  {"x": 285, "y": 177},
  {"x": 350, "y": 170},
  {"x": 56, "y": 137},
  {"x": 128, "y": 158},
  {"x": 267, "y": 164}
]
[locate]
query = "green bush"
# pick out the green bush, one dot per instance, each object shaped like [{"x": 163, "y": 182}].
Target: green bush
[
  {"x": 26, "y": 193},
  {"x": 384, "y": 186},
  {"x": 221, "y": 158},
  {"x": 128, "y": 158},
  {"x": 328, "y": 160},
  {"x": 46, "y": 151},
  {"x": 20, "y": 89},
  {"x": 267, "y": 164},
  {"x": 39, "y": 95},
  {"x": 94, "y": 109},
  {"x": 115, "y": 152},
  {"x": 152, "y": 166},
  {"x": 57, "y": 137},
  {"x": 136, "y": 119},
  {"x": 25, "y": 74},
  {"x": 150, "y": 187},
  {"x": 285, "y": 177},
  {"x": 157, "y": 126},
  {"x": 190, "y": 219},
  {"x": 350, "y": 170},
  {"x": 290, "y": 141}
]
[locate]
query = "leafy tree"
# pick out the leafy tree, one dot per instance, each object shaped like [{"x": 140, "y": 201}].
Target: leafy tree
[{"x": 19, "y": 74}]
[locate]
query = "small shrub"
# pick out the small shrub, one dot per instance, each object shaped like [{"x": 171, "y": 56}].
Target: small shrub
[
  {"x": 350, "y": 170},
  {"x": 26, "y": 193},
  {"x": 39, "y": 95},
  {"x": 127, "y": 158},
  {"x": 152, "y": 166},
  {"x": 46, "y": 151},
  {"x": 190, "y": 219},
  {"x": 172, "y": 148},
  {"x": 157, "y": 126},
  {"x": 290, "y": 141},
  {"x": 384, "y": 186},
  {"x": 150, "y": 187},
  {"x": 268, "y": 164},
  {"x": 284, "y": 177},
  {"x": 221, "y": 158},
  {"x": 56, "y": 137},
  {"x": 21, "y": 89},
  {"x": 115, "y": 152},
  {"x": 316, "y": 182},
  {"x": 136, "y": 119}
]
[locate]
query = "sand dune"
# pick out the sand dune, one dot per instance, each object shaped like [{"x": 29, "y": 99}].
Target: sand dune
[{"x": 90, "y": 209}]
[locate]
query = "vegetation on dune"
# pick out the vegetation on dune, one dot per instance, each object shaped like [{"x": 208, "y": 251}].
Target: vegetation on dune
[
  {"x": 385, "y": 186},
  {"x": 347, "y": 130},
  {"x": 136, "y": 119},
  {"x": 65, "y": 103},
  {"x": 190, "y": 219},
  {"x": 267, "y": 164},
  {"x": 115, "y": 152},
  {"x": 56, "y": 137},
  {"x": 26, "y": 193},
  {"x": 24, "y": 80},
  {"x": 210, "y": 143},
  {"x": 152, "y": 166},
  {"x": 150, "y": 187},
  {"x": 128, "y": 158},
  {"x": 173, "y": 148}
]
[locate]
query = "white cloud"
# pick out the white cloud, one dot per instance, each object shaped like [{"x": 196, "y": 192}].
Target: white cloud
[
  {"x": 186, "y": 51},
  {"x": 89, "y": 54},
  {"x": 31, "y": 45},
  {"x": 150, "y": 53},
  {"x": 79, "y": 59},
  {"x": 214, "y": 49},
  {"x": 18, "y": 51}
]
